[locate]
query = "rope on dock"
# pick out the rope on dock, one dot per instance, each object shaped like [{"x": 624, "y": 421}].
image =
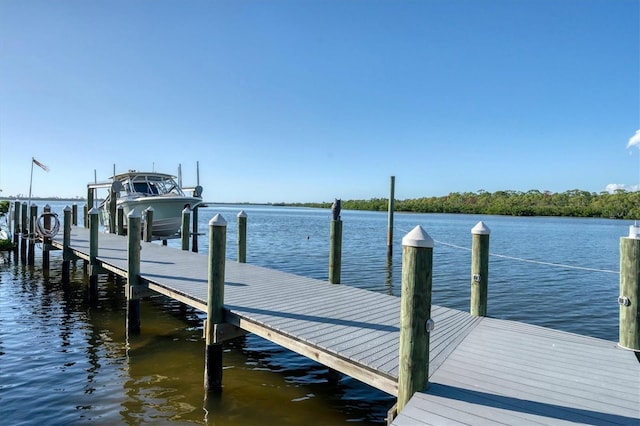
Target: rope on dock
[{"x": 44, "y": 232}]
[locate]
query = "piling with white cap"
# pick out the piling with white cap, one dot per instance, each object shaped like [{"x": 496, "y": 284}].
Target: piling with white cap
[
  {"x": 215, "y": 302},
  {"x": 479, "y": 269},
  {"x": 415, "y": 314},
  {"x": 629, "y": 298}
]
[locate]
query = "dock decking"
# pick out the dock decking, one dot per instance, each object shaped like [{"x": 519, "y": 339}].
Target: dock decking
[{"x": 482, "y": 370}]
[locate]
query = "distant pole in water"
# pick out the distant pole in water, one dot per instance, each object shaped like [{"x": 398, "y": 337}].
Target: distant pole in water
[
  {"x": 335, "y": 244},
  {"x": 392, "y": 184},
  {"x": 629, "y": 297},
  {"x": 479, "y": 269}
]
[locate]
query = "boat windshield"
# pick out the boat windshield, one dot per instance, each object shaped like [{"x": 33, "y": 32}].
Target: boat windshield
[{"x": 152, "y": 185}]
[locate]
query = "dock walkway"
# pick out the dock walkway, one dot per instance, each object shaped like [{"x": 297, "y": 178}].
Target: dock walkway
[{"x": 482, "y": 370}]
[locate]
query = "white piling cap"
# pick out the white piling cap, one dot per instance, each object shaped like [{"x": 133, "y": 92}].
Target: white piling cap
[
  {"x": 217, "y": 220},
  {"x": 634, "y": 232},
  {"x": 67, "y": 209},
  {"x": 134, "y": 214},
  {"x": 187, "y": 209},
  {"x": 480, "y": 229},
  {"x": 149, "y": 209},
  {"x": 94, "y": 210},
  {"x": 242, "y": 214},
  {"x": 418, "y": 237}
]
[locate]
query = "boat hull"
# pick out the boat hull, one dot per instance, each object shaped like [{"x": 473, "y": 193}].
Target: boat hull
[{"x": 167, "y": 212}]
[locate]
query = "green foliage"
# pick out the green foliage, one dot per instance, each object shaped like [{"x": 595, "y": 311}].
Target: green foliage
[
  {"x": 6, "y": 245},
  {"x": 574, "y": 203},
  {"x": 4, "y": 207}
]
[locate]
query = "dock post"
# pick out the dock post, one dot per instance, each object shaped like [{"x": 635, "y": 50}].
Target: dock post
[
  {"x": 94, "y": 223},
  {"x": 33, "y": 216},
  {"x": 16, "y": 226},
  {"x": 74, "y": 214},
  {"x": 629, "y": 297},
  {"x": 66, "y": 244},
  {"x": 91, "y": 193},
  {"x": 215, "y": 302},
  {"x": 46, "y": 242},
  {"x": 113, "y": 209},
  {"x": 148, "y": 224},
  {"x": 133, "y": 271},
  {"x": 242, "y": 237},
  {"x": 335, "y": 250},
  {"x": 392, "y": 185},
  {"x": 415, "y": 314},
  {"x": 479, "y": 269},
  {"x": 120, "y": 220},
  {"x": 194, "y": 228},
  {"x": 24, "y": 226},
  {"x": 184, "y": 228}
]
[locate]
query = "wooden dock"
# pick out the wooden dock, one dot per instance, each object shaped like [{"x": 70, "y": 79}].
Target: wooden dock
[{"x": 482, "y": 370}]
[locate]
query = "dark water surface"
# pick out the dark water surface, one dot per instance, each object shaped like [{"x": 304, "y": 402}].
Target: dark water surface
[{"x": 64, "y": 362}]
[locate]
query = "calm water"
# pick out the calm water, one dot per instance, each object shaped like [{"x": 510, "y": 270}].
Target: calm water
[{"x": 64, "y": 362}]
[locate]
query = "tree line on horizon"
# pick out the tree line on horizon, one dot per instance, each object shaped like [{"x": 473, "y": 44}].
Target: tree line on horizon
[{"x": 620, "y": 204}]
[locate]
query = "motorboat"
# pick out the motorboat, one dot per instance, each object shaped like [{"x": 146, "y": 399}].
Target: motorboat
[{"x": 139, "y": 191}]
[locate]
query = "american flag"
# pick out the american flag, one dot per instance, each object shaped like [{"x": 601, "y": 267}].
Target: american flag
[{"x": 39, "y": 164}]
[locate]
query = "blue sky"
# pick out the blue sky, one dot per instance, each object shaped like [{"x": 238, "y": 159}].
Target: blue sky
[{"x": 309, "y": 100}]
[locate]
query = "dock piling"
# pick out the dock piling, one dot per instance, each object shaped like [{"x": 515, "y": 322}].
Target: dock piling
[
  {"x": 94, "y": 224},
  {"x": 629, "y": 298},
  {"x": 31, "y": 235},
  {"x": 120, "y": 220},
  {"x": 479, "y": 269},
  {"x": 194, "y": 230},
  {"x": 242, "y": 237},
  {"x": 148, "y": 224},
  {"x": 133, "y": 272},
  {"x": 215, "y": 302},
  {"x": 16, "y": 226},
  {"x": 74, "y": 214},
  {"x": 24, "y": 232},
  {"x": 184, "y": 228},
  {"x": 392, "y": 186},
  {"x": 415, "y": 314},
  {"x": 66, "y": 243},
  {"x": 335, "y": 250},
  {"x": 46, "y": 241}
]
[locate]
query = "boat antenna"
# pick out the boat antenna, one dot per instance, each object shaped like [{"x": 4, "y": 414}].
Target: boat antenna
[
  {"x": 197, "y": 173},
  {"x": 180, "y": 175}
]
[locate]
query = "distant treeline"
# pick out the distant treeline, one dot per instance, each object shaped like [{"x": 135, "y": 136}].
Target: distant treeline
[{"x": 621, "y": 204}]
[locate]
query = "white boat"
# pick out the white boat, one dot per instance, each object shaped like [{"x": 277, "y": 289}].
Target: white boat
[{"x": 141, "y": 190}]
